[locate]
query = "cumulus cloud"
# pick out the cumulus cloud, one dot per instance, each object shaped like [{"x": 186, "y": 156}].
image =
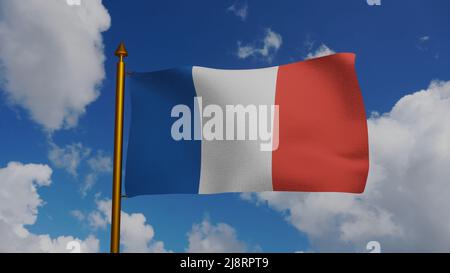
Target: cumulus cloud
[
  {"x": 136, "y": 235},
  {"x": 207, "y": 237},
  {"x": 321, "y": 51},
  {"x": 51, "y": 56},
  {"x": 239, "y": 9},
  {"x": 267, "y": 50},
  {"x": 406, "y": 203},
  {"x": 19, "y": 203}
]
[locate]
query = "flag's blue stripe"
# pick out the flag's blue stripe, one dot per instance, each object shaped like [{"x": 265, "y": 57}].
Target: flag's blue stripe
[{"x": 155, "y": 162}]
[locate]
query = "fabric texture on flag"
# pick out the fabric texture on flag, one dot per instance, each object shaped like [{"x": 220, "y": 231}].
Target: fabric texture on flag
[{"x": 322, "y": 140}]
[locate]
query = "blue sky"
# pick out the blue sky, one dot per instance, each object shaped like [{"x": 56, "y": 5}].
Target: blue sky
[{"x": 401, "y": 47}]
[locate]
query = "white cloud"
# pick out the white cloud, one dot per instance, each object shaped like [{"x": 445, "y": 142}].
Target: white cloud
[
  {"x": 72, "y": 156},
  {"x": 240, "y": 10},
  {"x": 269, "y": 47},
  {"x": 68, "y": 157},
  {"x": 206, "y": 237},
  {"x": 78, "y": 215},
  {"x": 19, "y": 203},
  {"x": 52, "y": 57},
  {"x": 406, "y": 203},
  {"x": 135, "y": 234},
  {"x": 321, "y": 51},
  {"x": 98, "y": 165},
  {"x": 97, "y": 220}
]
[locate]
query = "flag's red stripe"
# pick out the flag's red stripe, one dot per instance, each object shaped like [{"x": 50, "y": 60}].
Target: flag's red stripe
[{"x": 323, "y": 142}]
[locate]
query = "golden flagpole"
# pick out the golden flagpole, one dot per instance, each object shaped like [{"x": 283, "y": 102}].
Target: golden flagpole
[{"x": 121, "y": 52}]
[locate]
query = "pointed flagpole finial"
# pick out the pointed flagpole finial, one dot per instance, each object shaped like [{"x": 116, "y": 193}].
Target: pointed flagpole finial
[{"x": 121, "y": 51}]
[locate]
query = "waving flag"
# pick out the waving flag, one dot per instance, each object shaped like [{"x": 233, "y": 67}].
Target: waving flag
[{"x": 294, "y": 127}]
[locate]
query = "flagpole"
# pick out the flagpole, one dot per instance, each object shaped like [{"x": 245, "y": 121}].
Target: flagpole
[{"x": 121, "y": 52}]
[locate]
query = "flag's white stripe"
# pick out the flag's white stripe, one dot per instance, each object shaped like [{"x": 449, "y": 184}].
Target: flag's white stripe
[{"x": 235, "y": 166}]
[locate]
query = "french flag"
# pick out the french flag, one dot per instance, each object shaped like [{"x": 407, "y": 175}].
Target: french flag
[{"x": 316, "y": 120}]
